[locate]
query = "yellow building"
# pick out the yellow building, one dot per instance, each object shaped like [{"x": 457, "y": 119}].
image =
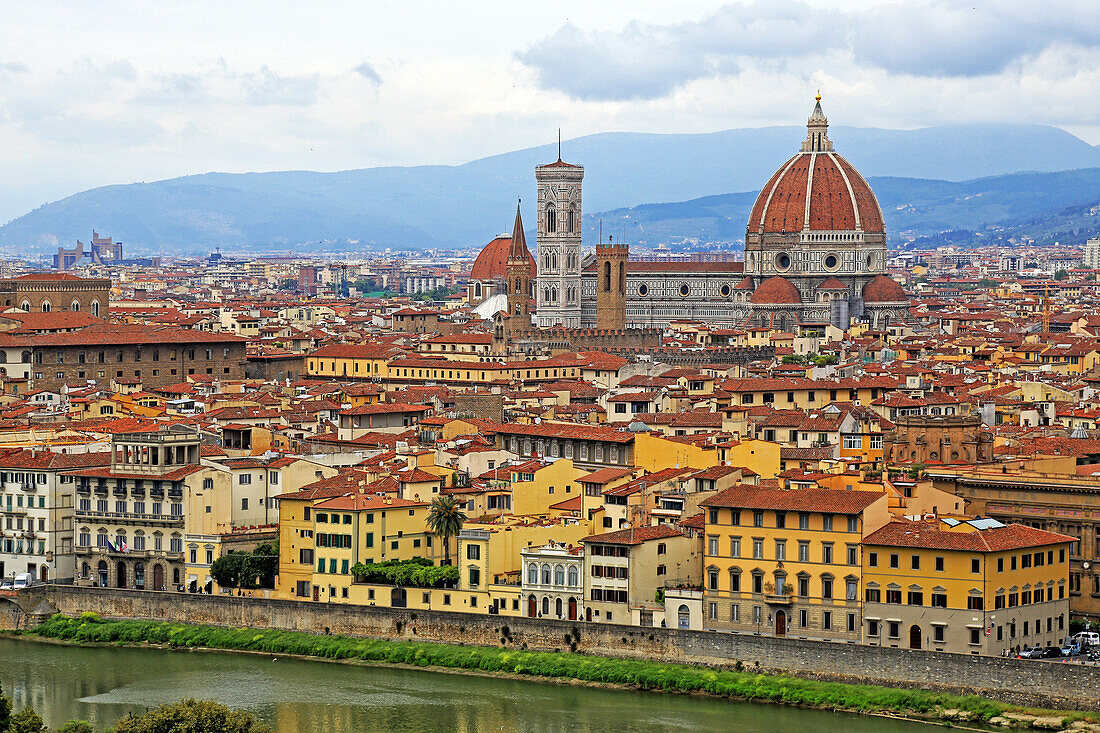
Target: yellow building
[
  {"x": 364, "y": 528},
  {"x": 786, "y": 562},
  {"x": 655, "y": 452},
  {"x": 537, "y": 484},
  {"x": 965, "y": 585}
]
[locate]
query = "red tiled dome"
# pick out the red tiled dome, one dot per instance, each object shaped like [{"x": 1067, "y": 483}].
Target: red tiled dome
[
  {"x": 883, "y": 289},
  {"x": 745, "y": 284},
  {"x": 832, "y": 284},
  {"x": 776, "y": 291},
  {"x": 491, "y": 261},
  {"x": 839, "y": 198}
]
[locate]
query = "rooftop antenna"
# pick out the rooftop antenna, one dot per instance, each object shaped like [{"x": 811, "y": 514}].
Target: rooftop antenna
[{"x": 559, "y": 143}]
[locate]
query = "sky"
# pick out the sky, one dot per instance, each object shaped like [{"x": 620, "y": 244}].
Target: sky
[{"x": 99, "y": 93}]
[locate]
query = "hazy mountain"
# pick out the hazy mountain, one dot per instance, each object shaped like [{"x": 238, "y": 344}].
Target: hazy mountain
[
  {"x": 467, "y": 204},
  {"x": 1063, "y": 206}
]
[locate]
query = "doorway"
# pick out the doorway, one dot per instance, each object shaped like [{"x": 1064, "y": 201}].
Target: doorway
[
  {"x": 532, "y": 607},
  {"x": 158, "y": 577},
  {"x": 101, "y": 571},
  {"x": 572, "y": 609},
  {"x": 121, "y": 575},
  {"x": 914, "y": 637},
  {"x": 780, "y": 623}
]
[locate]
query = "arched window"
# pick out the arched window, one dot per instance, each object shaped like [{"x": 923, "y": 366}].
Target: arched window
[
  {"x": 25, "y": 305},
  {"x": 607, "y": 276},
  {"x": 477, "y": 290},
  {"x": 533, "y": 574},
  {"x": 551, "y": 219},
  {"x": 573, "y": 575},
  {"x": 545, "y": 606},
  {"x": 622, "y": 277},
  {"x": 546, "y": 575},
  {"x": 557, "y": 603},
  {"x": 75, "y": 305},
  {"x": 25, "y": 357},
  {"x": 559, "y": 575},
  {"x": 46, "y": 307},
  {"x": 95, "y": 308},
  {"x": 573, "y": 217}
]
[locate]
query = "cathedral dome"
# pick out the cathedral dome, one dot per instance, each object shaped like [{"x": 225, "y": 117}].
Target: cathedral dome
[
  {"x": 883, "y": 289},
  {"x": 816, "y": 190},
  {"x": 776, "y": 291},
  {"x": 491, "y": 261}
]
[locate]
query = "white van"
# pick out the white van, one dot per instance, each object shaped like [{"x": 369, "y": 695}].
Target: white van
[
  {"x": 1087, "y": 638},
  {"x": 22, "y": 580}
]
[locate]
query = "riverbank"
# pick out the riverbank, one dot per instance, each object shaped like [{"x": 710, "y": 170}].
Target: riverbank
[{"x": 627, "y": 673}]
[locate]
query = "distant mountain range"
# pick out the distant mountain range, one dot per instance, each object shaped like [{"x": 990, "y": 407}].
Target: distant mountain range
[
  {"x": 466, "y": 205},
  {"x": 1045, "y": 207}
]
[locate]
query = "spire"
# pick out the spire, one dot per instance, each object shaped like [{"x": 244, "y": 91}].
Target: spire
[
  {"x": 519, "y": 251},
  {"x": 817, "y": 130}
]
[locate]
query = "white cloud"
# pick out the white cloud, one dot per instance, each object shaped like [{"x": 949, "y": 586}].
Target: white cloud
[{"x": 367, "y": 71}]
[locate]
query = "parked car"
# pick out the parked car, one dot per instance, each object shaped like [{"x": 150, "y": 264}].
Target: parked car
[
  {"x": 1070, "y": 650},
  {"x": 1053, "y": 651},
  {"x": 1037, "y": 652}
]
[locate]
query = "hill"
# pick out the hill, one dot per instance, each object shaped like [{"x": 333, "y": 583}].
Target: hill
[
  {"x": 465, "y": 205},
  {"x": 1044, "y": 207}
]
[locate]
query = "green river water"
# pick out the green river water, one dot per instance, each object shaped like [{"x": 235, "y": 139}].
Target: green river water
[{"x": 297, "y": 696}]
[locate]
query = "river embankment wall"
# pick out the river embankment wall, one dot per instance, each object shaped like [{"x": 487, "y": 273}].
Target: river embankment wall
[{"x": 1037, "y": 683}]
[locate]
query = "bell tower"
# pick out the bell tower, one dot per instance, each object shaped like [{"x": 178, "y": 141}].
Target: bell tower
[
  {"x": 558, "y": 293},
  {"x": 517, "y": 271},
  {"x": 611, "y": 262}
]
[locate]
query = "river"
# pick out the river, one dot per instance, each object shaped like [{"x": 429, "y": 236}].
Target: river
[{"x": 298, "y": 696}]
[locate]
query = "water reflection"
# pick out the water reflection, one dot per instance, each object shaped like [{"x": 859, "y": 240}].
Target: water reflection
[{"x": 294, "y": 696}]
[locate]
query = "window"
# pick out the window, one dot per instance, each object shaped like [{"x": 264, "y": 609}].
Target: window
[
  {"x": 973, "y": 603},
  {"x": 827, "y": 552},
  {"x": 827, "y": 620},
  {"x": 914, "y": 562},
  {"x": 712, "y": 579},
  {"x": 939, "y": 564},
  {"x": 803, "y": 520},
  {"x": 873, "y": 595},
  {"x": 895, "y": 560},
  {"x": 916, "y": 598},
  {"x": 853, "y": 524},
  {"x": 938, "y": 633},
  {"x": 853, "y": 554},
  {"x": 975, "y": 636},
  {"x": 853, "y": 442},
  {"x": 893, "y": 629},
  {"x": 803, "y": 550},
  {"x": 712, "y": 545},
  {"x": 872, "y": 628},
  {"x": 781, "y": 550},
  {"x": 244, "y": 479},
  {"x": 850, "y": 590},
  {"x": 735, "y": 547},
  {"x": 758, "y": 519},
  {"x": 758, "y": 548},
  {"x": 939, "y": 600},
  {"x": 976, "y": 565},
  {"x": 827, "y": 522},
  {"x": 826, "y": 587},
  {"x": 893, "y": 596}
]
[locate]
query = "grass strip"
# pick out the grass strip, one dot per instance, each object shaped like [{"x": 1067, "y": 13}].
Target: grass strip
[{"x": 638, "y": 674}]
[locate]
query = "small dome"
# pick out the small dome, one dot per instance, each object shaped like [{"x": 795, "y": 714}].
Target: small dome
[
  {"x": 491, "y": 262},
  {"x": 883, "y": 289},
  {"x": 745, "y": 284},
  {"x": 776, "y": 291},
  {"x": 832, "y": 284}
]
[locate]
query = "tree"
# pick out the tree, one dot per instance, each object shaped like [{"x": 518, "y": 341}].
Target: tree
[
  {"x": 5, "y": 712},
  {"x": 1061, "y": 275},
  {"x": 445, "y": 519},
  {"x": 76, "y": 726},
  {"x": 27, "y": 721},
  {"x": 191, "y": 716},
  {"x": 263, "y": 564},
  {"x": 231, "y": 571}
]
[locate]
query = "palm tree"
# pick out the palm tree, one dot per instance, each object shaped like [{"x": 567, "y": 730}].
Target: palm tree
[{"x": 445, "y": 519}]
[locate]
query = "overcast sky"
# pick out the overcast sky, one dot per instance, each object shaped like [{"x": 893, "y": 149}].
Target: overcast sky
[{"x": 94, "y": 93}]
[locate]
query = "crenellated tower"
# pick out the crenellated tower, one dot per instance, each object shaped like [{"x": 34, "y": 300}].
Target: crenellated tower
[{"x": 611, "y": 262}]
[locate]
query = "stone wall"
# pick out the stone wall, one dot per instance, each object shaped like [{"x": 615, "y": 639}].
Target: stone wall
[{"x": 1027, "y": 682}]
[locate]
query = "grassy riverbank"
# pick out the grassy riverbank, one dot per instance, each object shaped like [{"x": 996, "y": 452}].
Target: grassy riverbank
[{"x": 638, "y": 674}]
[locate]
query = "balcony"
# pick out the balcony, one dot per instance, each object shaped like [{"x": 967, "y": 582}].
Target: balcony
[
  {"x": 9, "y": 509},
  {"x": 167, "y": 519},
  {"x": 776, "y": 599},
  {"x": 27, "y": 486}
]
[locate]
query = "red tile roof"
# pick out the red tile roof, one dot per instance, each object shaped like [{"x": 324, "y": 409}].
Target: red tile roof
[
  {"x": 634, "y": 535},
  {"x": 807, "y": 500},
  {"x": 906, "y": 533}
]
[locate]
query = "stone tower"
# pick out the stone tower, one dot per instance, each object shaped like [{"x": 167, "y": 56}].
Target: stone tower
[
  {"x": 558, "y": 294},
  {"x": 611, "y": 262},
  {"x": 518, "y": 274}
]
